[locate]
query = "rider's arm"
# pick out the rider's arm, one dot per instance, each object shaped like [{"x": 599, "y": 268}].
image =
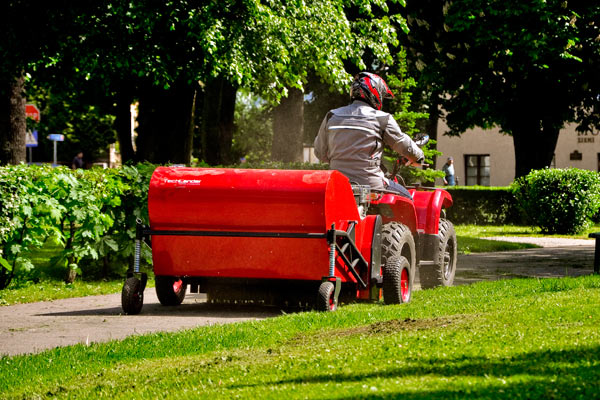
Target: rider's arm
[
  {"x": 321, "y": 147},
  {"x": 400, "y": 142}
]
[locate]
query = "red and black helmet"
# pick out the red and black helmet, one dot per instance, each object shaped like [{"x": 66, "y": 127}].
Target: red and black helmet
[{"x": 371, "y": 89}]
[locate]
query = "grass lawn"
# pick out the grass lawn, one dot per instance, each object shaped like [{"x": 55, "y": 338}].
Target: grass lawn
[
  {"x": 521, "y": 338},
  {"x": 470, "y": 238},
  {"x": 44, "y": 290},
  {"x": 480, "y": 231}
]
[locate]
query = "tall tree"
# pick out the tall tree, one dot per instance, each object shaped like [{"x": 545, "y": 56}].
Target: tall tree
[
  {"x": 288, "y": 127},
  {"x": 12, "y": 121},
  {"x": 125, "y": 47},
  {"x": 527, "y": 67},
  {"x": 321, "y": 38},
  {"x": 30, "y": 36}
]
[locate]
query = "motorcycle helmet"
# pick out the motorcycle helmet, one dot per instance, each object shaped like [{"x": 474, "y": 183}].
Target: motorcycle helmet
[{"x": 370, "y": 88}]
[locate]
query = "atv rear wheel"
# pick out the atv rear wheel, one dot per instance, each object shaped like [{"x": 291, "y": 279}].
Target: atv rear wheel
[
  {"x": 397, "y": 241},
  {"x": 326, "y": 298},
  {"x": 443, "y": 269},
  {"x": 132, "y": 296},
  {"x": 170, "y": 290},
  {"x": 397, "y": 281}
]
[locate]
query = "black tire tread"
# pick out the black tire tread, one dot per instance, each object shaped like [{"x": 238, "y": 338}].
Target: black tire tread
[
  {"x": 431, "y": 275},
  {"x": 132, "y": 297},
  {"x": 165, "y": 293},
  {"x": 394, "y": 236},
  {"x": 392, "y": 274},
  {"x": 326, "y": 290}
]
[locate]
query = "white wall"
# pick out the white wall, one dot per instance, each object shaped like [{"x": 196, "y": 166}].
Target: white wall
[{"x": 502, "y": 155}]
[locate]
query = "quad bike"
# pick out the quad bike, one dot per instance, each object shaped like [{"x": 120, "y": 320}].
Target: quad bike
[{"x": 291, "y": 238}]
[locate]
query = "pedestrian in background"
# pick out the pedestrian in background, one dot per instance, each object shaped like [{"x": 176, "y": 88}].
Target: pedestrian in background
[
  {"x": 78, "y": 161},
  {"x": 448, "y": 168}
]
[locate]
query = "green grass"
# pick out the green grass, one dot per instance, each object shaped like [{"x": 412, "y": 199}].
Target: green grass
[
  {"x": 467, "y": 245},
  {"x": 522, "y": 338},
  {"x": 45, "y": 290},
  {"x": 470, "y": 238},
  {"x": 479, "y": 231}
]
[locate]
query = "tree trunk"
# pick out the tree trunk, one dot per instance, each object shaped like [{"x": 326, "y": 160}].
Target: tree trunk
[
  {"x": 164, "y": 125},
  {"x": 218, "y": 122},
  {"x": 431, "y": 126},
  {"x": 123, "y": 125},
  {"x": 12, "y": 122},
  {"x": 534, "y": 147},
  {"x": 288, "y": 128}
]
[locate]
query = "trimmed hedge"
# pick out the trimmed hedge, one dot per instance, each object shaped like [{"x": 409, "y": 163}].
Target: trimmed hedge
[
  {"x": 559, "y": 200},
  {"x": 482, "y": 205}
]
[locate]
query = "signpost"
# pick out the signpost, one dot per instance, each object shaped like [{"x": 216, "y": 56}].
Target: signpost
[
  {"x": 31, "y": 140},
  {"x": 56, "y": 138}
]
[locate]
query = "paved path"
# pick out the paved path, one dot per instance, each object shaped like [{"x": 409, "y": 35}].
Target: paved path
[
  {"x": 33, "y": 327},
  {"x": 30, "y": 328}
]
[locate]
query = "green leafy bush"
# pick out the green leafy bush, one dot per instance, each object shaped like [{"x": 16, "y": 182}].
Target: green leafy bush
[
  {"x": 559, "y": 200},
  {"x": 88, "y": 215},
  {"x": 483, "y": 205}
]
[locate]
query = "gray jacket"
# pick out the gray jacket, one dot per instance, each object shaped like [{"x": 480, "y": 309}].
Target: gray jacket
[{"x": 351, "y": 140}]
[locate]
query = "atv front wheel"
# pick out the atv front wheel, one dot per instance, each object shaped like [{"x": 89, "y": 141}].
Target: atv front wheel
[
  {"x": 397, "y": 281},
  {"x": 443, "y": 269}
]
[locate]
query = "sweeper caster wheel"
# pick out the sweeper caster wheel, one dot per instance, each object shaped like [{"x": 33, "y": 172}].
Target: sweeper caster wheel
[
  {"x": 397, "y": 281},
  {"x": 132, "y": 296},
  {"x": 326, "y": 300},
  {"x": 170, "y": 290}
]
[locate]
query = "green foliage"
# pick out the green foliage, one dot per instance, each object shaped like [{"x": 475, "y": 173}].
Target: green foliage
[
  {"x": 559, "y": 200},
  {"x": 525, "y": 67},
  {"x": 87, "y": 124},
  {"x": 283, "y": 165},
  {"x": 402, "y": 86},
  {"x": 88, "y": 214},
  {"x": 253, "y": 128},
  {"x": 483, "y": 205}
]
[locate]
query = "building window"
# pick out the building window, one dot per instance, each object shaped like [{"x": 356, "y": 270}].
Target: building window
[
  {"x": 477, "y": 169},
  {"x": 598, "y": 162}
]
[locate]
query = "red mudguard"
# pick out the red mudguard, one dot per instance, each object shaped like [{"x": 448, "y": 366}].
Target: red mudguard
[{"x": 428, "y": 206}]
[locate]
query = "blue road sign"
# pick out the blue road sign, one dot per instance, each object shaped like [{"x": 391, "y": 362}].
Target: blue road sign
[
  {"x": 55, "y": 137},
  {"x": 31, "y": 139}
]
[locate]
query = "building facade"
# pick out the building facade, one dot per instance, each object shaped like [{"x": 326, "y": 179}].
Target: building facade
[{"x": 487, "y": 157}]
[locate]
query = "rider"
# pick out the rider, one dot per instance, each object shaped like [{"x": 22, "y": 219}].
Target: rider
[{"x": 351, "y": 138}]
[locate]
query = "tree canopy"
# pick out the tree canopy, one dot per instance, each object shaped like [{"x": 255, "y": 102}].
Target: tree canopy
[
  {"x": 527, "y": 67},
  {"x": 126, "y": 47}
]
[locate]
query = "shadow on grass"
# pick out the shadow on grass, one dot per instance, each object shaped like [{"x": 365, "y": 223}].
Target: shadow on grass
[{"x": 572, "y": 373}]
